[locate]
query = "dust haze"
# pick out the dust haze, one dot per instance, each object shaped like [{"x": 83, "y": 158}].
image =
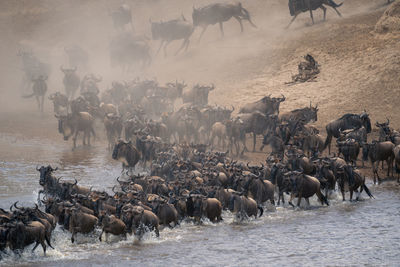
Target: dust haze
[{"x": 243, "y": 66}]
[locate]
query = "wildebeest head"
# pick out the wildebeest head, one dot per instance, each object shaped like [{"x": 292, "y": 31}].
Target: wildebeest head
[
  {"x": 68, "y": 72},
  {"x": 45, "y": 172},
  {"x": 366, "y": 121},
  {"x": 120, "y": 149},
  {"x": 64, "y": 126}
]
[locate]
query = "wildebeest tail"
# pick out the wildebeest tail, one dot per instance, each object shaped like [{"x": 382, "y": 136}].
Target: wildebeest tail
[
  {"x": 397, "y": 168},
  {"x": 367, "y": 191},
  {"x": 28, "y": 96},
  {"x": 333, "y": 4},
  {"x": 261, "y": 210},
  {"x": 48, "y": 241},
  {"x": 246, "y": 15}
]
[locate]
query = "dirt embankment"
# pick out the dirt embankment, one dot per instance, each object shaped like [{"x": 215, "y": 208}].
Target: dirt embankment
[{"x": 359, "y": 65}]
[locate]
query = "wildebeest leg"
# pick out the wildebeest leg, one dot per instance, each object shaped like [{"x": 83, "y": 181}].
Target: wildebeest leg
[
  {"x": 182, "y": 46},
  {"x": 240, "y": 22},
  {"x": 290, "y": 200},
  {"x": 74, "y": 139},
  {"x": 202, "y": 32},
  {"x": 165, "y": 47},
  {"x": 290, "y": 23},
  {"x": 337, "y": 11},
  {"x": 221, "y": 27},
  {"x": 308, "y": 201},
  {"x": 324, "y": 9},
  {"x": 161, "y": 44},
  {"x": 42, "y": 102},
  {"x": 84, "y": 138},
  {"x": 311, "y": 15},
  {"x": 38, "y": 102},
  {"x": 351, "y": 194}
]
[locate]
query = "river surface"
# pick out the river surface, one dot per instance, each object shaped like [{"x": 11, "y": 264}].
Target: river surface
[{"x": 364, "y": 233}]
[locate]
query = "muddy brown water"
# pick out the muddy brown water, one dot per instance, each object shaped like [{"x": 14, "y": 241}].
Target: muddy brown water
[{"x": 359, "y": 233}]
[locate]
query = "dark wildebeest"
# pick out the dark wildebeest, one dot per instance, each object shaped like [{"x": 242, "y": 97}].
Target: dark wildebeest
[
  {"x": 112, "y": 225},
  {"x": 276, "y": 143},
  {"x": 347, "y": 121},
  {"x": 22, "y": 234},
  {"x": 396, "y": 152},
  {"x": 172, "y": 30},
  {"x": 71, "y": 81},
  {"x": 39, "y": 89},
  {"x": 379, "y": 151},
  {"x": 127, "y": 154},
  {"x": 298, "y": 6},
  {"x": 350, "y": 180},
  {"x": 219, "y": 13},
  {"x": 121, "y": 17},
  {"x": 303, "y": 115},
  {"x": 267, "y": 105},
  {"x": 350, "y": 149},
  {"x": 60, "y": 103},
  {"x": 77, "y": 57},
  {"x": 256, "y": 123},
  {"x": 74, "y": 123}
]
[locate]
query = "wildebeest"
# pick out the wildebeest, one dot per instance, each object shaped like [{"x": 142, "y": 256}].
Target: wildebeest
[
  {"x": 302, "y": 186},
  {"x": 60, "y": 103},
  {"x": 32, "y": 67},
  {"x": 126, "y": 51},
  {"x": 219, "y": 13},
  {"x": 127, "y": 154},
  {"x": 351, "y": 180},
  {"x": 113, "y": 125},
  {"x": 379, "y": 151},
  {"x": 301, "y": 115},
  {"x": 244, "y": 207},
  {"x": 350, "y": 149},
  {"x": 172, "y": 30},
  {"x": 139, "y": 220},
  {"x": 267, "y": 105},
  {"x": 89, "y": 84},
  {"x": 79, "y": 222},
  {"x": 112, "y": 225},
  {"x": 218, "y": 130},
  {"x": 298, "y": 6},
  {"x": 74, "y": 123},
  {"x": 203, "y": 206},
  {"x": 396, "y": 152},
  {"x": 198, "y": 94},
  {"x": 39, "y": 89},
  {"x": 71, "y": 81},
  {"x": 347, "y": 121},
  {"x": 121, "y": 17},
  {"x": 23, "y": 234}
]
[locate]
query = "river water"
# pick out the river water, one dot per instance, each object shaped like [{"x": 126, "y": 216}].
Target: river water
[{"x": 344, "y": 234}]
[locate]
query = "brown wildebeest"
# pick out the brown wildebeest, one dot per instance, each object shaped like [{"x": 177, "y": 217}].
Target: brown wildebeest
[
  {"x": 39, "y": 89},
  {"x": 74, "y": 123},
  {"x": 244, "y": 206},
  {"x": 350, "y": 180},
  {"x": 301, "y": 185},
  {"x": 218, "y": 130},
  {"x": 379, "y": 151}
]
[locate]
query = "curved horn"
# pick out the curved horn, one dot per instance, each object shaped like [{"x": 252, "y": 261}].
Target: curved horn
[
  {"x": 75, "y": 182},
  {"x": 113, "y": 189},
  {"x": 15, "y": 205},
  {"x": 37, "y": 168},
  {"x": 387, "y": 120},
  {"x": 233, "y": 108},
  {"x": 36, "y": 207}
]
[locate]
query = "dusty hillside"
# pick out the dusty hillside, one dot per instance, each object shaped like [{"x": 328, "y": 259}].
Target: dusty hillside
[{"x": 360, "y": 66}]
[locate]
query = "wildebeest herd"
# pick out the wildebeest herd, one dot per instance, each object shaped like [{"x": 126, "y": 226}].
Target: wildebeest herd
[{"x": 186, "y": 177}]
